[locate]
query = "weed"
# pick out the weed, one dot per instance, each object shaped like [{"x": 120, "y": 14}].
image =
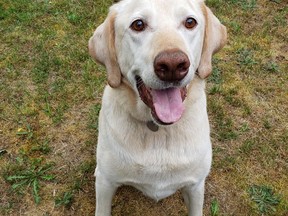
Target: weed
[
  {"x": 245, "y": 58},
  {"x": 216, "y": 76},
  {"x": 44, "y": 148},
  {"x": 31, "y": 178},
  {"x": 271, "y": 67},
  {"x": 264, "y": 198},
  {"x": 214, "y": 209},
  {"x": 66, "y": 199},
  {"x": 26, "y": 132}
]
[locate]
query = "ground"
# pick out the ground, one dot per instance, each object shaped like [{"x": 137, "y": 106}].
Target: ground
[{"x": 51, "y": 95}]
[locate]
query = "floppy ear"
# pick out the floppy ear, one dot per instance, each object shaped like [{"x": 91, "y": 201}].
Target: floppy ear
[
  {"x": 102, "y": 49},
  {"x": 215, "y": 38}
]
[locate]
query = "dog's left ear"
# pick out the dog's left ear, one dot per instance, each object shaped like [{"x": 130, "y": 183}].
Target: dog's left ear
[
  {"x": 215, "y": 38},
  {"x": 102, "y": 49}
]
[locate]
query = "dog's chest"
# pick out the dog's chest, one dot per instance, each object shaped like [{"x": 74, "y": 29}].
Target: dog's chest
[
  {"x": 160, "y": 174},
  {"x": 156, "y": 163}
]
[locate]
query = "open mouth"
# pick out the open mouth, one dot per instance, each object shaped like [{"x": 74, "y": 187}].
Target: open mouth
[{"x": 166, "y": 104}]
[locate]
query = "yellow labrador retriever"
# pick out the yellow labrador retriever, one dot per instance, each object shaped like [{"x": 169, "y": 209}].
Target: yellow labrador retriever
[{"x": 153, "y": 125}]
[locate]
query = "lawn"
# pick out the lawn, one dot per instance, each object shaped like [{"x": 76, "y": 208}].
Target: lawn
[{"x": 50, "y": 97}]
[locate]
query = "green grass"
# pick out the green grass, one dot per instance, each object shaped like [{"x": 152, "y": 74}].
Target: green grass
[
  {"x": 264, "y": 198},
  {"x": 214, "y": 209},
  {"x": 51, "y": 96}
]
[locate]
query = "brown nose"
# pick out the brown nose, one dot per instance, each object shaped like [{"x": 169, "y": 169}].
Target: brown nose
[{"x": 171, "y": 65}]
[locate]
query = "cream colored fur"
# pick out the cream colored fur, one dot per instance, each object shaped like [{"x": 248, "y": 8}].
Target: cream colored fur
[{"x": 177, "y": 156}]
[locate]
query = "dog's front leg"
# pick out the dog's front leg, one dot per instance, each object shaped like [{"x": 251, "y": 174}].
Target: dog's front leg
[
  {"x": 105, "y": 191},
  {"x": 194, "y": 198}
]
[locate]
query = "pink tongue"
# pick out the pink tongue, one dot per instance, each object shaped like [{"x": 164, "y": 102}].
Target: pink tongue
[{"x": 168, "y": 104}]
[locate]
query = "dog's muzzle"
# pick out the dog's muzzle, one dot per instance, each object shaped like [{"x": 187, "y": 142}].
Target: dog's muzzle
[{"x": 166, "y": 104}]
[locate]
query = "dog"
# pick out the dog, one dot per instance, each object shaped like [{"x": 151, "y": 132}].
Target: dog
[{"x": 154, "y": 132}]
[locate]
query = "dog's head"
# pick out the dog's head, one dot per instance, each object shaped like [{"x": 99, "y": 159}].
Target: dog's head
[{"x": 158, "y": 46}]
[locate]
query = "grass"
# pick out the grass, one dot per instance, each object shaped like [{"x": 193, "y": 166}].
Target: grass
[
  {"x": 66, "y": 199},
  {"x": 30, "y": 177},
  {"x": 51, "y": 96},
  {"x": 214, "y": 210},
  {"x": 264, "y": 198}
]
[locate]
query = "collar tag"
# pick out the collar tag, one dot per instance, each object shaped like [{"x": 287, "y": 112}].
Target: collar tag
[{"x": 152, "y": 126}]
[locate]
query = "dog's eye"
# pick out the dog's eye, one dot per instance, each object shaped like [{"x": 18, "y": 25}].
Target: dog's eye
[
  {"x": 190, "y": 23},
  {"x": 138, "y": 25}
]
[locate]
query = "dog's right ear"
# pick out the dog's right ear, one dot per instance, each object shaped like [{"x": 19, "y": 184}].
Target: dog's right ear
[{"x": 102, "y": 49}]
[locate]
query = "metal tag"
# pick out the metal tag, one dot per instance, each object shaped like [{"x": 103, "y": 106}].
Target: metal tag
[{"x": 152, "y": 126}]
